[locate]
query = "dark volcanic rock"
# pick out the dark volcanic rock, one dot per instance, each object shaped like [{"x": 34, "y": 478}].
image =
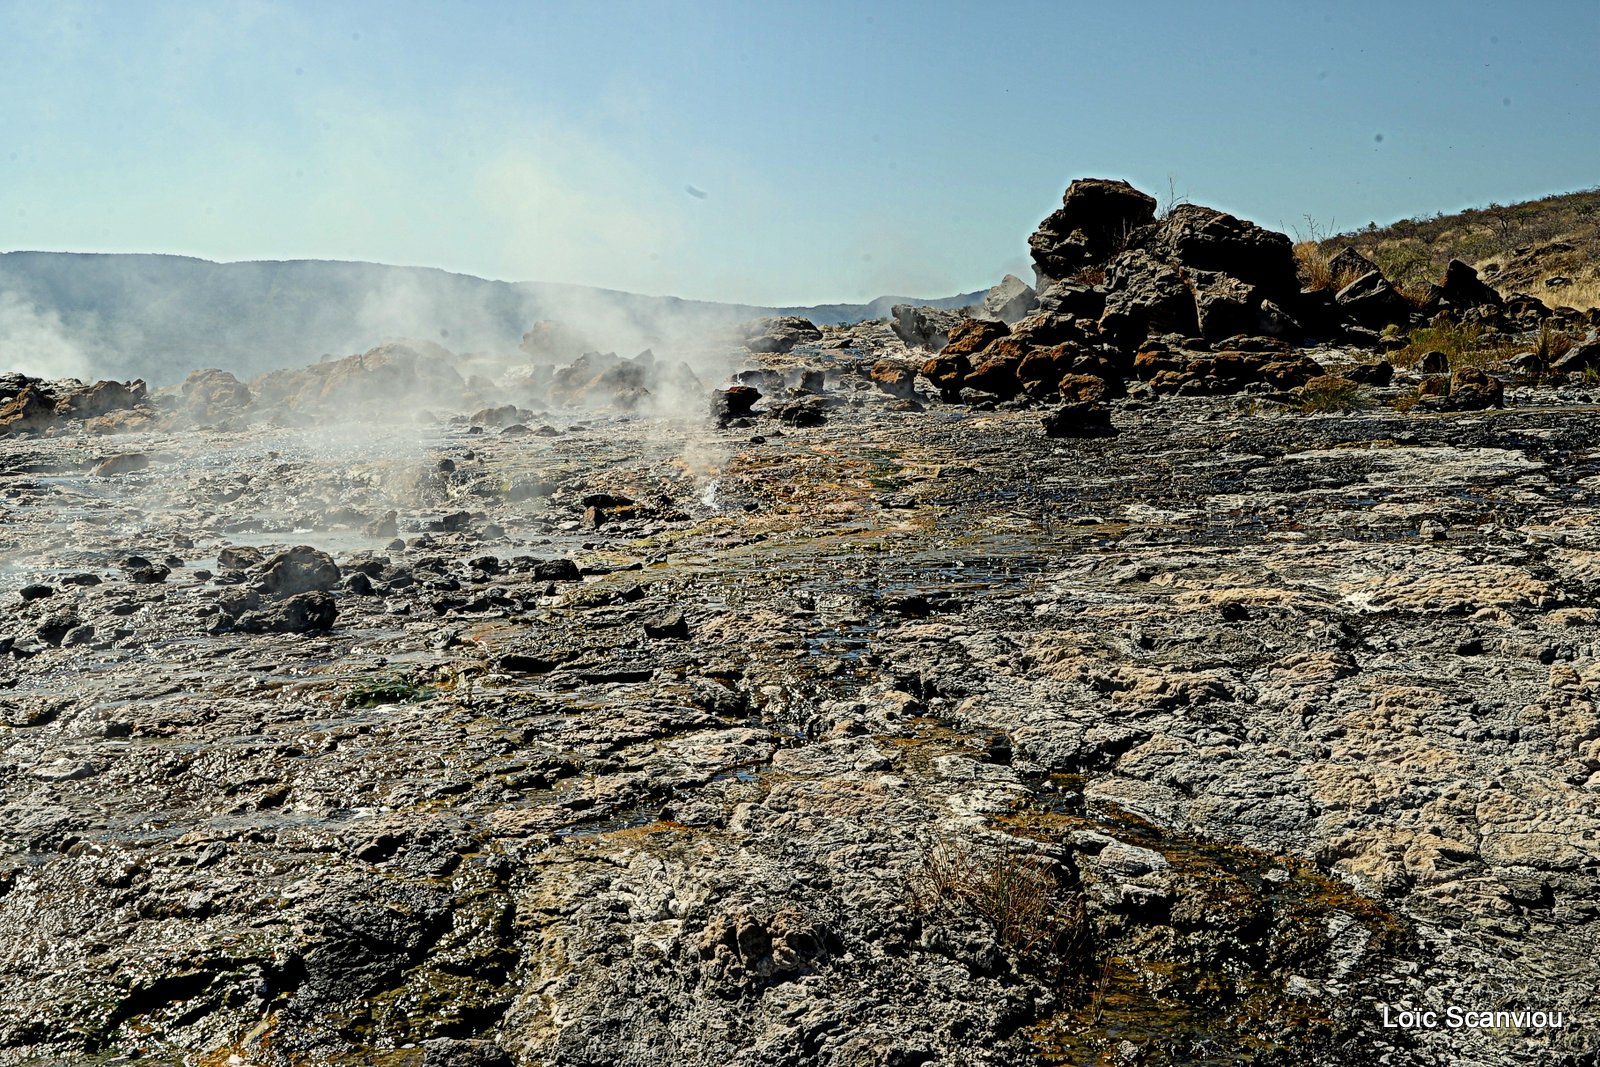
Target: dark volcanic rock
[
  {"x": 1202, "y": 238},
  {"x": 733, "y": 402},
  {"x": 300, "y": 613},
  {"x": 299, "y": 570},
  {"x": 1144, "y": 296},
  {"x": 1373, "y": 302},
  {"x": 1081, "y": 419},
  {"x": 894, "y": 378},
  {"x": 778, "y": 334},
  {"x": 1097, "y": 218}
]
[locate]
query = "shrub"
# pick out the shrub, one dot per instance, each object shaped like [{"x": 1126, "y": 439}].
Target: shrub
[
  {"x": 1465, "y": 345},
  {"x": 1313, "y": 261},
  {"x": 1329, "y": 393},
  {"x": 392, "y": 690},
  {"x": 1020, "y": 897}
]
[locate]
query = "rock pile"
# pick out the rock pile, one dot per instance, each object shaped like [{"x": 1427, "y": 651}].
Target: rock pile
[{"x": 36, "y": 406}]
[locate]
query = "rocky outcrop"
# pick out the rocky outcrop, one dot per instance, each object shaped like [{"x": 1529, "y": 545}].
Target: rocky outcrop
[
  {"x": 211, "y": 394},
  {"x": 33, "y": 406},
  {"x": 924, "y": 327},
  {"x": 1009, "y": 301},
  {"x": 1097, "y": 218},
  {"x": 778, "y": 334},
  {"x": 399, "y": 376}
]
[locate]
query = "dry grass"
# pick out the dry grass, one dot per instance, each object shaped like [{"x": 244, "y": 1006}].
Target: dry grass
[
  {"x": 1019, "y": 896},
  {"x": 1313, "y": 261},
  {"x": 1412, "y": 253},
  {"x": 1581, "y": 295},
  {"x": 1466, "y": 346},
  {"x": 1329, "y": 394}
]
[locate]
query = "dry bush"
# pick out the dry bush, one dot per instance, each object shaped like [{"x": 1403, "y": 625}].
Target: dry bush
[
  {"x": 1466, "y": 346},
  {"x": 1313, "y": 261},
  {"x": 1020, "y": 897},
  {"x": 1328, "y": 394}
]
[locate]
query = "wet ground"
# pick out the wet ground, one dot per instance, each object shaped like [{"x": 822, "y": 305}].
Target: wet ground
[{"x": 912, "y": 738}]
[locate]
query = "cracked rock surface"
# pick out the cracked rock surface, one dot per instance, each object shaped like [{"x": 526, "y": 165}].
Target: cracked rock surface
[{"x": 912, "y": 737}]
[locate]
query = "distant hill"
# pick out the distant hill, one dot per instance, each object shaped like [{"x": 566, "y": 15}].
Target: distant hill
[
  {"x": 1548, "y": 247},
  {"x": 159, "y": 316}
]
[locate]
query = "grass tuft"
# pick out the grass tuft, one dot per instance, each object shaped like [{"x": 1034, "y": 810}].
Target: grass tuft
[
  {"x": 1019, "y": 896},
  {"x": 391, "y": 690}
]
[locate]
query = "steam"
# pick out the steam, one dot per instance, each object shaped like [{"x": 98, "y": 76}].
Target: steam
[{"x": 34, "y": 341}]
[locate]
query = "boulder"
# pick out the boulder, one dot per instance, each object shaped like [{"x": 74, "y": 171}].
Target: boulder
[
  {"x": 733, "y": 402},
  {"x": 1041, "y": 369},
  {"x": 947, "y": 372},
  {"x": 1098, "y": 218},
  {"x": 1204, "y": 239},
  {"x": 1079, "y": 419},
  {"x": 1224, "y": 305},
  {"x": 971, "y": 336},
  {"x": 1146, "y": 296},
  {"x": 550, "y": 340},
  {"x": 778, "y": 334},
  {"x": 394, "y": 375},
  {"x": 1578, "y": 358},
  {"x": 210, "y": 393},
  {"x": 1073, "y": 300},
  {"x": 1349, "y": 265},
  {"x": 995, "y": 369},
  {"x": 301, "y": 569},
  {"x": 30, "y": 411},
  {"x": 1462, "y": 288},
  {"x": 297, "y": 614},
  {"x": 1379, "y": 373},
  {"x": 1010, "y": 300},
  {"x": 895, "y": 378},
  {"x": 1473, "y": 390},
  {"x": 923, "y": 327},
  {"x": 1371, "y": 301},
  {"x": 100, "y": 398}
]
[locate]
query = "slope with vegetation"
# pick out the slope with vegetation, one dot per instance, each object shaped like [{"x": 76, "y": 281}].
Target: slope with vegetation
[{"x": 1549, "y": 248}]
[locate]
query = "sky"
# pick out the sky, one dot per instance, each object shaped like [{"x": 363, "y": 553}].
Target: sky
[{"x": 769, "y": 153}]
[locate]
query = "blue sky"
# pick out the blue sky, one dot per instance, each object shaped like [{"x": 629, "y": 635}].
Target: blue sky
[{"x": 841, "y": 150}]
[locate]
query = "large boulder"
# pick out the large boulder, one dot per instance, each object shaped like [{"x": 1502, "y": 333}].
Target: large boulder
[
  {"x": 1462, "y": 288},
  {"x": 1373, "y": 302},
  {"x": 211, "y": 392},
  {"x": 1348, "y": 265},
  {"x": 1010, "y": 300},
  {"x": 971, "y": 336},
  {"x": 100, "y": 398},
  {"x": 30, "y": 411},
  {"x": 995, "y": 369},
  {"x": 1224, "y": 305},
  {"x": 395, "y": 375},
  {"x": 948, "y": 372},
  {"x": 301, "y": 569},
  {"x": 550, "y": 340},
  {"x": 924, "y": 327},
  {"x": 778, "y": 334},
  {"x": 895, "y": 378},
  {"x": 1098, "y": 217},
  {"x": 1144, "y": 296},
  {"x": 1205, "y": 239}
]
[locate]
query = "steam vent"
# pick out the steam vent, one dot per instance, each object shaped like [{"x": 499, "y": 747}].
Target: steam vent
[{"x": 1184, "y": 656}]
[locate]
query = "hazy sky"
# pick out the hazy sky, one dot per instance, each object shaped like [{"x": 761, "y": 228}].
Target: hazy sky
[{"x": 762, "y": 152}]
